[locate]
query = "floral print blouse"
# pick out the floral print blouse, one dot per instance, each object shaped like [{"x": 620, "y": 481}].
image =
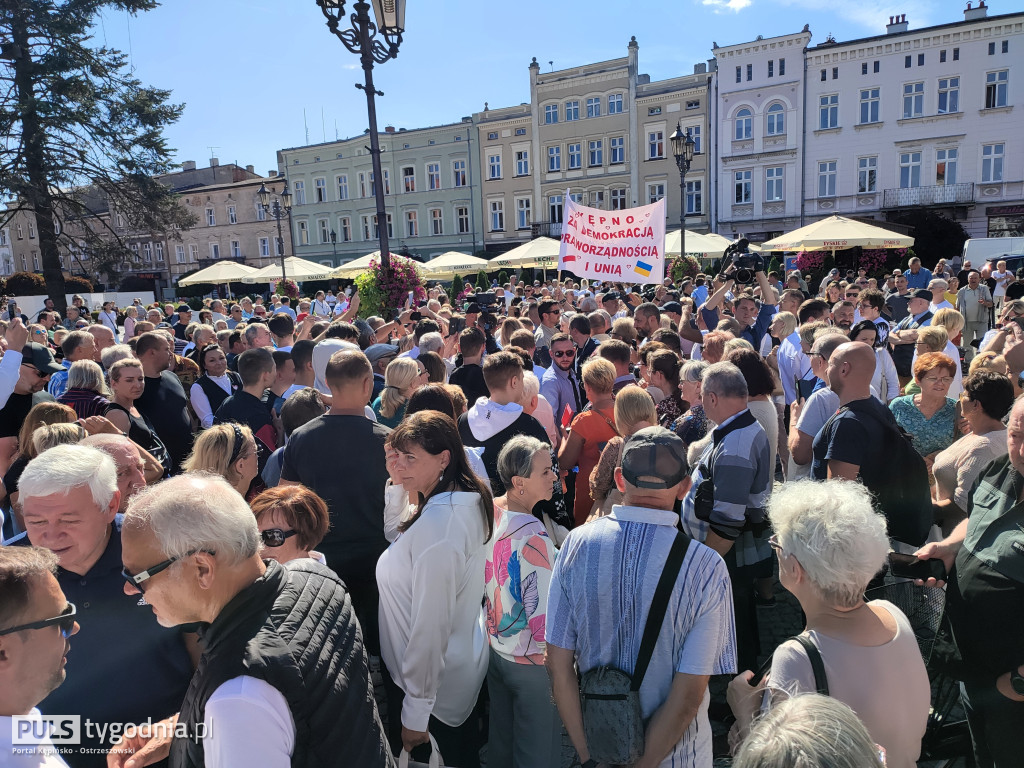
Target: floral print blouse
[{"x": 517, "y": 575}]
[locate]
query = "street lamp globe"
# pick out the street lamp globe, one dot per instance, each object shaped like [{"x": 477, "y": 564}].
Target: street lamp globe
[
  {"x": 682, "y": 144},
  {"x": 286, "y": 198},
  {"x": 390, "y": 16},
  {"x": 264, "y": 195}
]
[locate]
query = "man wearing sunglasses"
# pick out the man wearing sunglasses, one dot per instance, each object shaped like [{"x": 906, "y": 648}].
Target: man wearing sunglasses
[
  {"x": 36, "y": 621},
  {"x": 261, "y": 694},
  {"x": 550, "y": 314},
  {"x": 126, "y": 667},
  {"x": 559, "y": 385}
]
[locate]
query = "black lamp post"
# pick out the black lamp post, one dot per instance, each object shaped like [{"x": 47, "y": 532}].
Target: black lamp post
[
  {"x": 279, "y": 208},
  {"x": 364, "y": 39},
  {"x": 682, "y": 149},
  {"x": 334, "y": 246}
]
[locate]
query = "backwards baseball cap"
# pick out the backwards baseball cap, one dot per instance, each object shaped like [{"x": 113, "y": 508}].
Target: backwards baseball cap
[
  {"x": 183, "y": 308},
  {"x": 921, "y": 293},
  {"x": 40, "y": 358},
  {"x": 656, "y": 455}
]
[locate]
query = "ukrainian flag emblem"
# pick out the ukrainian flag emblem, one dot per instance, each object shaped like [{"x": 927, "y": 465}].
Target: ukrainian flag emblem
[{"x": 642, "y": 268}]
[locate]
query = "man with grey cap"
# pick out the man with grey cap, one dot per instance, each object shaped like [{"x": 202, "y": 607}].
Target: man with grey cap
[
  {"x": 379, "y": 356},
  {"x": 904, "y": 335},
  {"x": 601, "y": 588}
]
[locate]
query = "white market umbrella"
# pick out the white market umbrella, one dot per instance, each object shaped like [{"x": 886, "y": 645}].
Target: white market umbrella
[
  {"x": 221, "y": 272},
  {"x": 696, "y": 242},
  {"x": 294, "y": 269},
  {"x": 354, "y": 268},
  {"x": 836, "y": 233},
  {"x": 453, "y": 263},
  {"x": 542, "y": 252}
]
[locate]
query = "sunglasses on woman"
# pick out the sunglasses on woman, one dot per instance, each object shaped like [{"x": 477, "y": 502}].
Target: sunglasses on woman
[
  {"x": 66, "y": 623},
  {"x": 274, "y": 537}
]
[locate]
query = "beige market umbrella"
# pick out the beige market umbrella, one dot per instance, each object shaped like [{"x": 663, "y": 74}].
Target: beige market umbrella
[
  {"x": 351, "y": 269},
  {"x": 542, "y": 252},
  {"x": 221, "y": 272},
  {"x": 836, "y": 233},
  {"x": 452, "y": 263},
  {"x": 696, "y": 242},
  {"x": 294, "y": 268}
]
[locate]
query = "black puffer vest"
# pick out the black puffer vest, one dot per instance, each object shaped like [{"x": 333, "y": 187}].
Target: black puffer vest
[{"x": 295, "y": 629}]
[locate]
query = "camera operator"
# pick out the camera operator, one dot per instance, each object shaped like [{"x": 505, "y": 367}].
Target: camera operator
[
  {"x": 753, "y": 317},
  {"x": 480, "y": 314}
]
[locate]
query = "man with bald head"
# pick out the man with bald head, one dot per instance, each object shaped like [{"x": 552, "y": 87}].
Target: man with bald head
[
  {"x": 103, "y": 336},
  {"x": 131, "y": 468}
]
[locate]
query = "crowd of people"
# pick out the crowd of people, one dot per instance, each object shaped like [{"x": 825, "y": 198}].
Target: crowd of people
[{"x": 544, "y": 513}]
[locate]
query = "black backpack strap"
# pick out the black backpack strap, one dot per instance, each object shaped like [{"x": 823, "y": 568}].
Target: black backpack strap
[
  {"x": 814, "y": 656},
  {"x": 656, "y": 616}
]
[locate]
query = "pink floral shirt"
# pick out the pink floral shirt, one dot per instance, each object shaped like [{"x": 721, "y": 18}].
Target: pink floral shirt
[{"x": 517, "y": 574}]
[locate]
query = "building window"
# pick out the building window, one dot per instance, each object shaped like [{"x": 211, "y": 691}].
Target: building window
[
  {"x": 522, "y": 163},
  {"x": 342, "y": 187},
  {"x": 835, "y": 73},
  {"x": 995, "y": 88},
  {"x": 362, "y": 185},
  {"x": 409, "y": 179},
  {"x": 617, "y": 146},
  {"x": 325, "y": 231},
  {"x": 771, "y": 67},
  {"x": 693, "y": 104},
  {"x": 739, "y": 74},
  {"x": 459, "y": 172},
  {"x": 655, "y": 145},
  {"x": 594, "y": 106},
  {"x": 462, "y": 219},
  {"x": 869, "y": 104},
  {"x": 412, "y": 224},
  {"x": 346, "y": 229},
  {"x": 387, "y": 180},
  {"x": 366, "y": 227},
  {"x": 910, "y": 170},
  {"x": 913, "y": 100},
  {"x": 211, "y": 218},
  {"x": 35, "y": 261},
  {"x": 159, "y": 247},
  {"x": 520, "y": 131},
  {"x": 236, "y": 250},
  {"x": 554, "y": 159},
  {"x": 575, "y": 156},
  {"x": 908, "y": 62},
  {"x": 320, "y": 190},
  {"x": 615, "y": 104},
  {"x": 494, "y": 166},
  {"x": 595, "y": 157},
  {"x": 824, "y": 75},
  {"x": 876, "y": 67},
  {"x": 655, "y": 192},
  {"x": 303, "y": 233},
  {"x": 1005, "y": 47},
  {"x": 492, "y": 136},
  {"x": 551, "y": 114},
  {"x": 179, "y": 254},
  {"x": 433, "y": 176},
  {"x": 694, "y": 198},
  {"x": 695, "y": 135},
  {"x": 618, "y": 198},
  {"x": 299, "y": 192},
  {"x": 232, "y": 216},
  {"x": 193, "y": 252},
  {"x": 827, "y": 179},
  {"x": 744, "y": 125},
  {"x": 555, "y": 208},
  {"x": 750, "y": 72},
  {"x": 436, "y": 221},
  {"x": 497, "y": 216},
  {"x": 597, "y": 198},
  {"x": 147, "y": 252},
  {"x": 867, "y": 174},
  {"x": 261, "y": 214},
  {"x": 942, "y": 56},
  {"x": 828, "y": 111},
  {"x": 945, "y": 166},
  {"x": 776, "y": 120},
  {"x": 523, "y": 213},
  {"x": 782, "y": 67},
  {"x": 992, "y": 163},
  {"x": 214, "y": 251},
  {"x": 949, "y": 95},
  {"x": 991, "y": 49},
  {"x": 742, "y": 186},
  {"x": 864, "y": 68},
  {"x": 956, "y": 54},
  {"x": 572, "y": 110},
  {"x": 264, "y": 247},
  {"x": 920, "y": 59},
  {"x": 774, "y": 179}
]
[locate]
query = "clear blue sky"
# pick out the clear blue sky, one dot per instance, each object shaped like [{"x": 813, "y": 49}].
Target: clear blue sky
[{"x": 246, "y": 70}]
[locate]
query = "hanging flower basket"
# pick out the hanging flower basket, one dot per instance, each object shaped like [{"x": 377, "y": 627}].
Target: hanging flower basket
[
  {"x": 382, "y": 293},
  {"x": 287, "y": 288},
  {"x": 682, "y": 267}
]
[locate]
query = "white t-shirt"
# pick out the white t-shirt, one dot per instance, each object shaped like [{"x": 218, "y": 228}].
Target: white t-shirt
[
  {"x": 41, "y": 755},
  {"x": 1002, "y": 279},
  {"x": 249, "y": 723}
]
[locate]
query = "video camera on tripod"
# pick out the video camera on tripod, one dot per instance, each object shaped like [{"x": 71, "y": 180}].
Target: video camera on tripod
[{"x": 747, "y": 264}]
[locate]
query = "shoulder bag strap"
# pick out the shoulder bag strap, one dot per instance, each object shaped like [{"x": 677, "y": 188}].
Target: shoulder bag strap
[
  {"x": 656, "y": 616},
  {"x": 814, "y": 656}
]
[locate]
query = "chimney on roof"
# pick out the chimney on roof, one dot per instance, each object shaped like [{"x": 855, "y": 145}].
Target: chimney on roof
[
  {"x": 700, "y": 69},
  {"x": 214, "y": 162},
  {"x": 251, "y": 168},
  {"x": 389, "y": 129},
  {"x": 971, "y": 14},
  {"x": 896, "y": 24},
  {"x": 272, "y": 173},
  {"x": 188, "y": 165}
]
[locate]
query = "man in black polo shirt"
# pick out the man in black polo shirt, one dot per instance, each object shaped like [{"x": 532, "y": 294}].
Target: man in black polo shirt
[
  {"x": 184, "y": 318},
  {"x": 469, "y": 376},
  {"x": 163, "y": 400},
  {"x": 127, "y": 667},
  {"x": 246, "y": 406}
]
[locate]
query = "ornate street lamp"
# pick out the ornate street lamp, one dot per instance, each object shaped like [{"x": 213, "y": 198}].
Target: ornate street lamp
[
  {"x": 279, "y": 208},
  {"x": 682, "y": 150},
  {"x": 334, "y": 247},
  {"x": 374, "y": 42}
]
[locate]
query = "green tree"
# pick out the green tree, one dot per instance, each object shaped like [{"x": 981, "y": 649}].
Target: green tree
[
  {"x": 935, "y": 236},
  {"x": 82, "y": 137}
]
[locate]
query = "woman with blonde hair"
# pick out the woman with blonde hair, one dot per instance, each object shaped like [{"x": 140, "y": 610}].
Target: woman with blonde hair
[
  {"x": 953, "y": 323},
  {"x": 50, "y": 435},
  {"x": 40, "y": 415},
  {"x": 508, "y": 326},
  {"x": 127, "y": 382},
  {"x": 131, "y": 316},
  {"x": 988, "y": 361},
  {"x": 634, "y": 410},
  {"x": 228, "y": 450},
  {"x": 402, "y": 377}
]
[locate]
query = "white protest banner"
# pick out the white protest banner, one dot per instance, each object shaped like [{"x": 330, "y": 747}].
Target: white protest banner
[{"x": 626, "y": 246}]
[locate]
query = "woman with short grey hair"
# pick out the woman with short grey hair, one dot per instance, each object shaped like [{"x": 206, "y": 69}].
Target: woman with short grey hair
[
  {"x": 831, "y": 543},
  {"x": 694, "y": 424},
  {"x": 525, "y": 729}
]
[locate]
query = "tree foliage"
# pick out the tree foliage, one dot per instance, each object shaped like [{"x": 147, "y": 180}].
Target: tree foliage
[
  {"x": 935, "y": 236},
  {"x": 82, "y": 138}
]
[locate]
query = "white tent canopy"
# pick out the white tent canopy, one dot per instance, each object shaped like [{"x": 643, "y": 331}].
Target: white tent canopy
[
  {"x": 542, "y": 252},
  {"x": 221, "y": 272},
  {"x": 352, "y": 268},
  {"x": 295, "y": 269},
  {"x": 453, "y": 263}
]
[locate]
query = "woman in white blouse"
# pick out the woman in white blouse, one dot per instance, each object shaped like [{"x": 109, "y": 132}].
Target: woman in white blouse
[
  {"x": 432, "y": 627},
  {"x": 885, "y": 383},
  {"x": 214, "y": 366}
]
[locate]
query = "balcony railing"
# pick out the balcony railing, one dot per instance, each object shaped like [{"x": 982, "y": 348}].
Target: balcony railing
[
  {"x": 948, "y": 194},
  {"x": 546, "y": 229}
]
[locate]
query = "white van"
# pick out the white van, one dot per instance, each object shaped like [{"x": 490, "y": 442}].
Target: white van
[{"x": 978, "y": 250}]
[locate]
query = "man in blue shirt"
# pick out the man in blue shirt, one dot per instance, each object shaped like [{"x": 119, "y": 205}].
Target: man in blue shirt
[
  {"x": 559, "y": 384},
  {"x": 286, "y": 308},
  {"x": 917, "y": 276}
]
